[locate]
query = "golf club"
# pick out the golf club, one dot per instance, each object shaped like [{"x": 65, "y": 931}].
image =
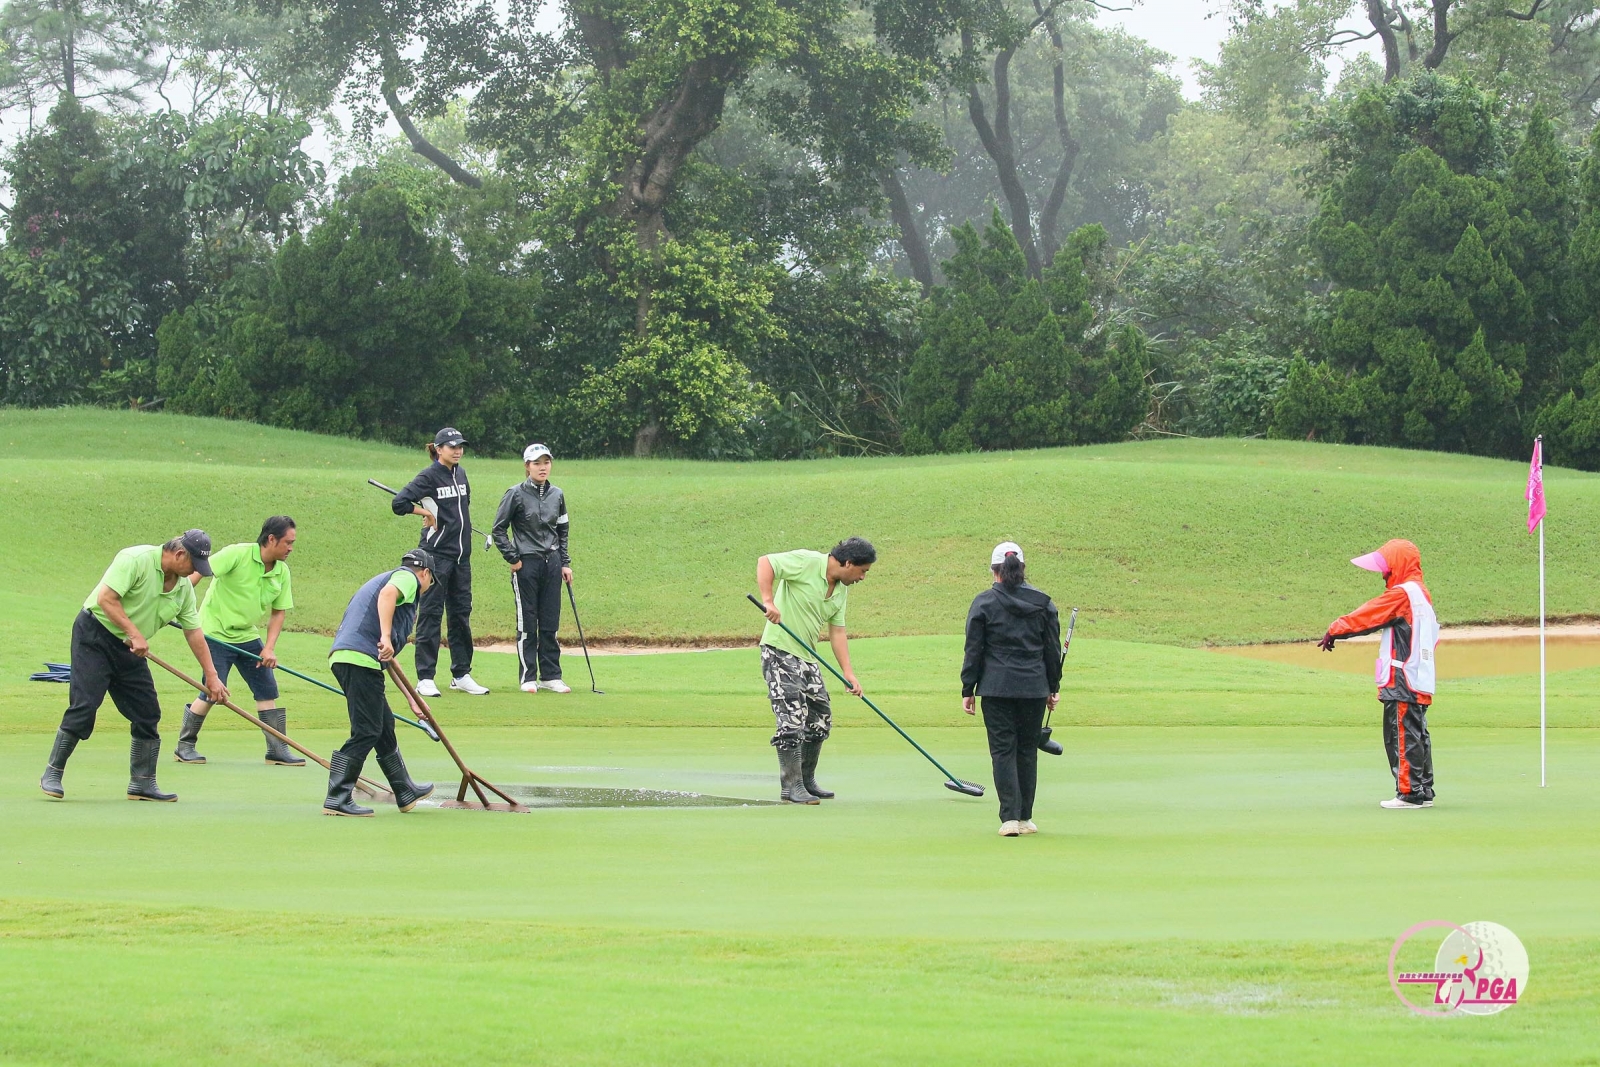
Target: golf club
[
  {"x": 1045, "y": 744},
  {"x": 487, "y": 540},
  {"x": 971, "y": 789},
  {"x": 307, "y": 678},
  {"x": 574, "y": 602}
]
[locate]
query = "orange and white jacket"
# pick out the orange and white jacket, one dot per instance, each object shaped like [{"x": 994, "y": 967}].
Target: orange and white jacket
[{"x": 1404, "y": 611}]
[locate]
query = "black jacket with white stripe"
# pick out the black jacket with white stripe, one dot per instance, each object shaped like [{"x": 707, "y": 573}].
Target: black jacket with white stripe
[
  {"x": 531, "y": 521},
  {"x": 447, "y": 488}
]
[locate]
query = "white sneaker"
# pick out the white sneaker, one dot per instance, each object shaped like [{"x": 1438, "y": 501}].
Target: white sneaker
[
  {"x": 427, "y": 688},
  {"x": 465, "y": 684},
  {"x": 1396, "y": 804},
  {"x": 556, "y": 686},
  {"x": 1010, "y": 828},
  {"x": 1025, "y": 826},
  {"x": 530, "y": 687}
]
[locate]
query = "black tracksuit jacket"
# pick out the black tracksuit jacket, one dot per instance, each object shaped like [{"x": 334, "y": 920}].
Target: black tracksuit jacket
[
  {"x": 531, "y": 521},
  {"x": 1013, "y": 644},
  {"x": 452, "y": 537}
]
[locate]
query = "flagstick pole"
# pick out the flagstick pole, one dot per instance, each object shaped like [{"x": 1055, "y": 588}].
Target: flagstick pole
[{"x": 1541, "y": 653}]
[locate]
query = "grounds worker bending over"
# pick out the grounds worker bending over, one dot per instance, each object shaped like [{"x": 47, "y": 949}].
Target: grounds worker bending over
[
  {"x": 806, "y": 591},
  {"x": 144, "y": 589},
  {"x": 376, "y": 624},
  {"x": 1013, "y": 661},
  {"x": 249, "y": 582},
  {"x": 530, "y": 529},
  {"x": 1403, "y": 613}
]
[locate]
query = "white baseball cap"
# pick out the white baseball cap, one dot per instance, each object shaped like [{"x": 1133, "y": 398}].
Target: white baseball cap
[
  {"x": 533, "y": 452},
  {"x": 1004, "y": 549}
]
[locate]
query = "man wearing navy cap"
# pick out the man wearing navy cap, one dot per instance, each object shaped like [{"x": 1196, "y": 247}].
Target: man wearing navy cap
[{"x": 144, "y": 589}]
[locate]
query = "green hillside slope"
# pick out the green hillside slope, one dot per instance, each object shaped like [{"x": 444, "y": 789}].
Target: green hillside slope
[{"x": 1184, "y": 541}]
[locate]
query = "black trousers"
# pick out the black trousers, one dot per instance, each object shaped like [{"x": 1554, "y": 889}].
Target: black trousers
[
  {"x": 1014, "y": 724},
  {"x": 102, "y": 664},
  {"x": 537, "y": 589},
  {"x": 1405, "y": 737},
  {"x": 371, "y": 724},
  {"x": 451, "y": 591}
]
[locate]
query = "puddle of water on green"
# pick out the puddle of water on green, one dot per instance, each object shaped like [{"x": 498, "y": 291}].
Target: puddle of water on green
[
  {"x": 1457, "y": 658},
  {"x": 562, "y": 796}
]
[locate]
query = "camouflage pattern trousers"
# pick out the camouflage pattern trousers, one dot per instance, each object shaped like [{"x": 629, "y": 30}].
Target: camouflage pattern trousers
[{"x": 799, "y": 699}]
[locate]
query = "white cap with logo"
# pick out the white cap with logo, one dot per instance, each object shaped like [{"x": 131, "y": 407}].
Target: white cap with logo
[
  {"x": 1004, "y": 549},
  {"x": 533, "y": 452}
]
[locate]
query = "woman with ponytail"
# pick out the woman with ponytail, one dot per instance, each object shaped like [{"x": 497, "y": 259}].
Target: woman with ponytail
[{"x": 1013, "y": 661}]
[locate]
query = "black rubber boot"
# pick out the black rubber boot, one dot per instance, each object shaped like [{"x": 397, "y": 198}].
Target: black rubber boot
[
  {"x": 808, "y": 770},
  {"x": 406, "y": 792},
  {"x": 142, "y": 757},
  {"x": 789, "y": 774},
  {"x": 278, "y": 753},
  {"x": 342, "y": 775},
  {"x": 60, "y": 752},
  {"x": 188, "y": 734}
]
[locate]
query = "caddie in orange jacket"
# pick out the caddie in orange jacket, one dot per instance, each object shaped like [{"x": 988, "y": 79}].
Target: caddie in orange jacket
[{"x": 1404, "y": 616}]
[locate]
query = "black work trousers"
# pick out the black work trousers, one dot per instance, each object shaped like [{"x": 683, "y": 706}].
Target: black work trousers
[
  {"x": 1405, "y": 737},
  {"x": 537, "y": 589},
  {"x": 451, "y": 591},
  {"x": 102, "y": 664},
  {"x": 1014, "y": 724},
  {"x": 371, "y": 724}
]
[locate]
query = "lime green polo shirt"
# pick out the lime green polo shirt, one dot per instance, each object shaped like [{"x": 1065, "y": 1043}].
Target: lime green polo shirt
[
  {"x": 135, "y": 576},
  {"x": 407, "y": 583},
  {"x": 800, "y": 592},
  {"x": 243, "y": 593}
]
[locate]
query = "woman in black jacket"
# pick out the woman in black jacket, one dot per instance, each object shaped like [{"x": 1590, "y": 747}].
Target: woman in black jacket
[{"x": 1013, "y": 661}]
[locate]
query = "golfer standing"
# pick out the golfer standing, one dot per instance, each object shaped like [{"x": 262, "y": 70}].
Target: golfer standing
[
  {"x": 1403, "y": 614},
  {"x": 249, "y": 584},
  {"x": 530, "y": 529},
  {"x": 440, "y": 495},
  {"x": 145, "y": 588},
  {"x": 807, "y": 591},
  {"x": 1013, "y": 661},
  {"x": 376, "y": 624}
]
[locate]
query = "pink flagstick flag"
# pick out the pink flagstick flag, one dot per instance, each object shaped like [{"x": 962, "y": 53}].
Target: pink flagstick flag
[{"x": 1535, "y": 493}]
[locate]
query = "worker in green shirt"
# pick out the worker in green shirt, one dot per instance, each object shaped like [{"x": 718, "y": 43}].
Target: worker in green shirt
[
  {"x": 807, "y": 591},
  {"x": 249, "y": 584},
  {"x": 145, "y": 588},
  {"x": 376, "y": 625}
]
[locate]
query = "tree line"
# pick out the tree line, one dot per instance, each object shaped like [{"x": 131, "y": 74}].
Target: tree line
[{"x": 787, "y": 228}]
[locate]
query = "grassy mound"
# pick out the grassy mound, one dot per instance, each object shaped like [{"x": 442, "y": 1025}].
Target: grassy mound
[{"x": 1170, "y": 541}]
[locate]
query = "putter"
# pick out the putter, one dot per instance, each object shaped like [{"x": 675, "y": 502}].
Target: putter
[
  {"x": 487, "y": 540},
  {"x": 1045, "y": 744},
  {"x": 593, "y": 688},
  {"x": 971, "y": 789}
]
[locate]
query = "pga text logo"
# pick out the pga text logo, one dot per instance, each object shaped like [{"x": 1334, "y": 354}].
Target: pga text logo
[{"x": 1480, "y": 969}]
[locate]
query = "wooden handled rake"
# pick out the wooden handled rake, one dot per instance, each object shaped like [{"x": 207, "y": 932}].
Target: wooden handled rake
[{"x": 469, "y": 777}]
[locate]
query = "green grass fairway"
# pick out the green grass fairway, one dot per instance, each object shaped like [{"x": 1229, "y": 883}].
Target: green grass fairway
[
  {"x": 1213, "y": 881},
  {"x": 1169, "y": 541}
]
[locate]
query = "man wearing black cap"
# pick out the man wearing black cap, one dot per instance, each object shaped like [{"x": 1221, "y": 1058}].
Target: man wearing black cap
[
  {"x": 376, "y": 624},
  {"x": 144, "y": 589},
  {"x": 439, "y": 494}
]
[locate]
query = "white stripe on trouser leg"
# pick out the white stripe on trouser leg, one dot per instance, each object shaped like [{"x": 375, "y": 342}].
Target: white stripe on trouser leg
[{"x": 522, "y": 664}]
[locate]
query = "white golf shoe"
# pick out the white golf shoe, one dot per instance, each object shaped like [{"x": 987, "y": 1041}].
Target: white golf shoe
[
  {"x": 530, "y": 687},
  {"x": 465, "y": 684},
  {"x": 1025, "y": 826},
  {"x": 1010, "y": 828},
  {"x": 427, "y": 688},
  {"x": 1396, "y": 804},
  {"x": 556, "y": 686}
]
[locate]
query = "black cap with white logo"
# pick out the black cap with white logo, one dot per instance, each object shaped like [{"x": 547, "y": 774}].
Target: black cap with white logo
[
  {"x": 449, "y": 436},
  {"x": 417, "y": 558},
  {"x": 198, "y": 544}
]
